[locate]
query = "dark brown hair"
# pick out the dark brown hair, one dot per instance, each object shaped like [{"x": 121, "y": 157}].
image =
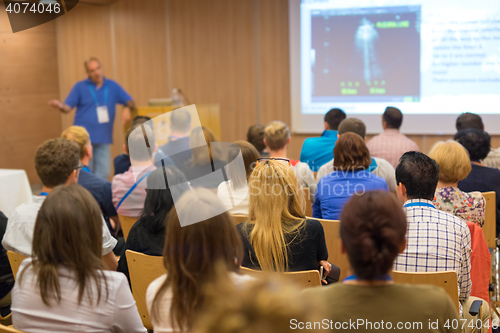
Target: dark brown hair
[
  {"x": 255, "y": 136},
  {"x": 192, "y": 254},
  {"x": 250, "y": 156},
  {"x": 351, "y": 153},
  {"x": 393, "y": 117},
  {"x": 55, "y": 160},
  {"x": 68, "y": 233},
  {"x": 372, "y": 228}
]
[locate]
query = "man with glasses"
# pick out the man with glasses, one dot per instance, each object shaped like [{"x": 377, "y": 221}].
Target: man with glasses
[{"x": 57, "y": 162}]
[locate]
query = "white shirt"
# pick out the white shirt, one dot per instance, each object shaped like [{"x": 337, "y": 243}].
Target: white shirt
[
  {"x": 384, "y": 169},
  {"x": 236, "y": 201},
  {"x": 116, "y": 313},
  {"x": 305, "y": 176},
  {"x": 19, "y": 233},
  {"x": 165, "y": 325}
]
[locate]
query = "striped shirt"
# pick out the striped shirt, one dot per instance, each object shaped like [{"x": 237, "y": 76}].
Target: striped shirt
[
  {"x": 436, "y": 241},
  {"x": 390, "y": 145}
]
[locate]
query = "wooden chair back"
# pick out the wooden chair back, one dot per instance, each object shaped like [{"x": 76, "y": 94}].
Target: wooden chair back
[
  {"x": 490, "y": 217},
  {"x": 143, "y": 270},
  {"x": 303, "y": 279},
  {"x": 15, "y": 260},
  {"x": 126, "y": 223},
  {"x": 8, "y": 329},
  {"x": 308, "y": 210},
  {"x": 237, "y": 219},
  {"x": 446, "y": 279},
  {"x": 334, "y": 246}
]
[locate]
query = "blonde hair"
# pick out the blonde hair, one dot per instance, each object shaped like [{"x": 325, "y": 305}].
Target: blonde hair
[
  {"x": 276, "y": 135},
  {"x": 264, "y": 305},
  {"x": 79, "y": 135},
  {"x": 453, "y": 160},
  {"x": 275, "y": 213},
  {"x": 199, "y": 141}
]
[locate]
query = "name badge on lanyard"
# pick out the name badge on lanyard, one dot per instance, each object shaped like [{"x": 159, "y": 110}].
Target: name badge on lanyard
[{"x": 102, "y": 111}]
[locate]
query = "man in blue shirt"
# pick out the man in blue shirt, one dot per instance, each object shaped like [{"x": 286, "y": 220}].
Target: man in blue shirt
[
  {"x": 318, "y": 151},
  {"x": 95, "y": 99}
]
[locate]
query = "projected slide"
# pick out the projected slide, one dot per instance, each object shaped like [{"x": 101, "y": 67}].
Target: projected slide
[
  {"x": 422, "y": 56},
  {"x": 365, "y": 68}
]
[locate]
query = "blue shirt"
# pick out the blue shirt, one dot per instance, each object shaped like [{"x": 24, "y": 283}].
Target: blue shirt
[
  {"x": 318, "y": 151},
  {"x": 335, "y": 189},
  {"x": 101, "y": 191},
  {"x": 81, "y": 97}
]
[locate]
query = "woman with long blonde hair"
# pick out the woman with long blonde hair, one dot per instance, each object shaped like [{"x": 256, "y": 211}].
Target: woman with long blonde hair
[{"x": 277, "y": 236}]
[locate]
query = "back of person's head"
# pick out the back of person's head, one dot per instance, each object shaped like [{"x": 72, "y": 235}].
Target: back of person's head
[
  {"x": 353, "y": 125},
  {"x": 79, "y": 135},
  {"x": 163, "y": 185},
  {"x": 139, "y": 137},
  {"x": 453, "y": 160},
  {"x": 56, "y": 160},
  {"x": 351, "y": 153},
  {"x": 372, "y": 229},
  {"x": 266, "y": 305},
  {"x": 193, "y": 254},
  {"x": 469, "y": 120},
  {"x": 250, "y": 156},
  {"x": 393, "y": 117},
  {"x": 334, "y": 117},
  {"x": 275, "y": 209},
  {"x": 255, "y": 136},
  {"x": 476, "y": 141},
  {"x": 419, "y": 174},
  {"x": 201, "y": 139},
  {"x": 68, "y": 233},
  {"x": 138, "y": 120},
  {"x": 180, "y": 121},
  {"x": 276, "y": 135}
]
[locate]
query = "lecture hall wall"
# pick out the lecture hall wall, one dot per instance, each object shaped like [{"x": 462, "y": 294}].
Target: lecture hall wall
[{"x": 234, "y": 53}]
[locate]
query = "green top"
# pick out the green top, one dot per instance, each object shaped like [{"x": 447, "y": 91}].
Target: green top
[{"x": 421, "y": 308}]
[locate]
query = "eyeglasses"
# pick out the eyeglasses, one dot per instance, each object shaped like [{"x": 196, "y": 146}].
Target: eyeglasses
[{"x": 263, "y": 159}]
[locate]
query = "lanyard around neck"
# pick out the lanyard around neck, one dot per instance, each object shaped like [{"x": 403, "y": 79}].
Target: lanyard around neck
[
  {"x": 422, "y": 204},
  {"x": 94, "y": 95}
]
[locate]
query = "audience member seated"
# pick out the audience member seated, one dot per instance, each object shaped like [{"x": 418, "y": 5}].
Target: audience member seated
[
  {"x": 471, "y": 120},
  {"x": 391, "y": 144},
  {"x": 481, "y": 178},
  {"x": 129, "y": 188},
  {"x": 6, "y": 276},
  {"x": 318, "y": 151},
  {"x": 234, "y": 193},
  {"x": 64, "y": 287},
  {"x": 350, "y": 176},
  {"x": 454, "y": 165},
  {"x": 177, "y": 148},
  {"x": 277, "y": 139},
  {"x": 379, "y": 166},
  {"x": 277, "y": 236},
  {"x": 372, "y": 229},
  {"x": 57, "y": 162},
  {"x": 205, "y": 159},
  {"x": 122, "y": 162},
  {"x": 99, "y": 187},
  {"x": 266, "y": 305},
  {"x": 147, "y": 235},
  {"x": 436, "y": 240},
  {"x": 194, "y": 257},
  {"x": 255, "y": 136}
]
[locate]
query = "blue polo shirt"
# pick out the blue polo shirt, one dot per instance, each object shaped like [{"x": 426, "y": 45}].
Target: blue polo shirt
[
  {"x": 318, "y": 151},
  {"x": 81, "y": 97},
  {"x": 335, "y": 189}
]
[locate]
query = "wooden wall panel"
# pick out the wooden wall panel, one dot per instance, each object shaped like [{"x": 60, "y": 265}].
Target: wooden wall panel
[
  {"x": 213, "y": 60},
  {"x": 273, "y": 61},
  {"x": 28, "y": 79}
]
